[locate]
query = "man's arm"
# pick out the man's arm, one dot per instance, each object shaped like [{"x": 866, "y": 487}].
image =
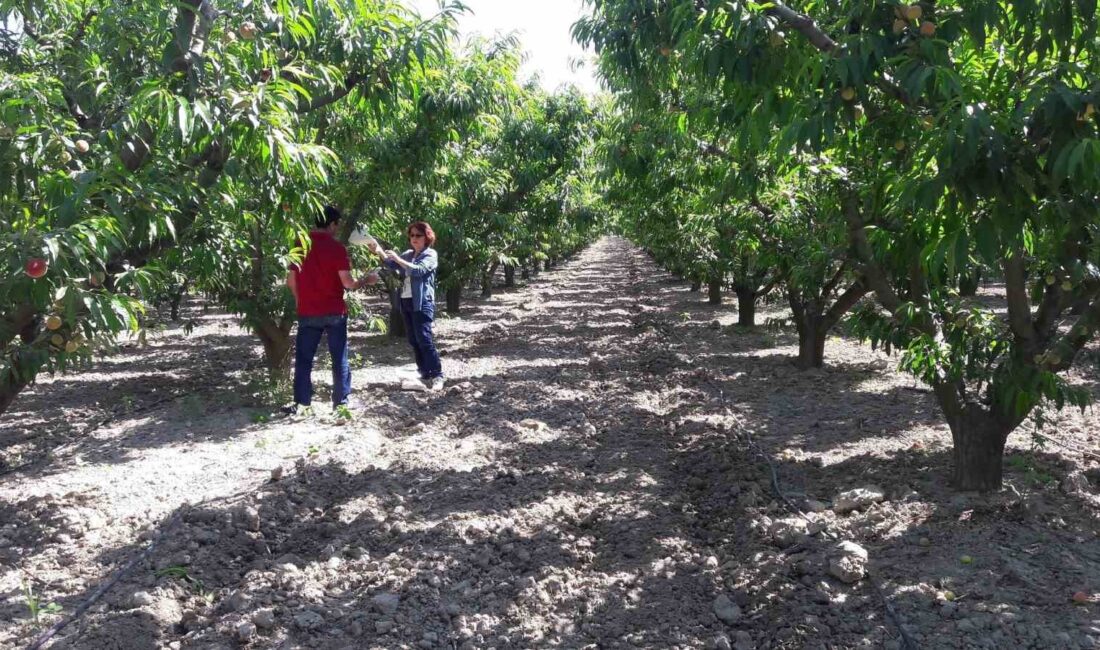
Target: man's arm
[{"x": 352, "y": 285}]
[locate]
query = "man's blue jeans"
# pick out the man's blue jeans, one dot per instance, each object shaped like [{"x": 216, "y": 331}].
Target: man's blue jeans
[
  {"x": 310, "y": 329},
  {"x": 418, "y": 326}
]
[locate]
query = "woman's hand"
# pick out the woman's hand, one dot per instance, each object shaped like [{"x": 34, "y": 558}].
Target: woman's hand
[{"x": 392, "y": 255}]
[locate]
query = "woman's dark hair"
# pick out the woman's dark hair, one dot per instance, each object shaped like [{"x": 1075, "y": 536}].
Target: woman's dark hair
[
  {"x": 328, "y": 216},
  {"x": 422, "y": 227}
]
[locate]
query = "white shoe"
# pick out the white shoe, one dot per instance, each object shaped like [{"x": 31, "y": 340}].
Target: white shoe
[{"x": 434, "y": 384}]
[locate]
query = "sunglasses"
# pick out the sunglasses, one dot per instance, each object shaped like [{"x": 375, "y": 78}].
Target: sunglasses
[{"x": 415, "y": 235}]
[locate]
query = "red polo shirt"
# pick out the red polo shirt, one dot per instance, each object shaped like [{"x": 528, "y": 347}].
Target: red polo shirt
[{"x": 320, "y": 291}]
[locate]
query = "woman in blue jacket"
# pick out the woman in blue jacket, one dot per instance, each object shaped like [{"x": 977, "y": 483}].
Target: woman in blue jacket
[{"x": 417, "y": 268}]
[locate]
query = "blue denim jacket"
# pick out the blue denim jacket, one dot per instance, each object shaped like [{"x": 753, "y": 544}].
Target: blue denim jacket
[{"x": 422, "y": 274}]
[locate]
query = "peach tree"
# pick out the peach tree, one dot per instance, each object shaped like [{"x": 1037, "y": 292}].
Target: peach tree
[
  {"x": 963, "y": 132},
  {"x": 134, "y": 129}
]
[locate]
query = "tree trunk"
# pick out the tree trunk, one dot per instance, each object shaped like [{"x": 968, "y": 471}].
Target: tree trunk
[
  {"x": 979, "y": 446},
  {"x": 526, "y": 273},
  {"x": 396, "y": 326},
  {"x": 177, "y": 298},
  {"x": 18, "y": 376},
  {"x": 968, "y": 284},
  {"x": 809, "y": 320},
  {"x": 811, "y": 346},
  {"x": 509, "y": 277},
  {"x": 454, "y": 299},
  {"x": 547, "y": 265},
  {"x": 746, "y": 306},
  {"x": 714, "y": 292},
  {"x": 487, "y": 281},
  {"x": 277, "y": 345},
  {"x": 24, "y": 362},
  {"x": 696, "y": 286}
]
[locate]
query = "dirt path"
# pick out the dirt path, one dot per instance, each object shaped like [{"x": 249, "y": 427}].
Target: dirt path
[{"x": 585, "y": 481}]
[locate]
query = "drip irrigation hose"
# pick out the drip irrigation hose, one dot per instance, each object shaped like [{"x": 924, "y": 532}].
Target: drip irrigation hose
[
  {"x": 907, "y": 641},
  {"x": 137, "y": 559}
]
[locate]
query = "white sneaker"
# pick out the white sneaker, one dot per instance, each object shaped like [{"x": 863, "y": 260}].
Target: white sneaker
[{"x": 434, "y": 384}]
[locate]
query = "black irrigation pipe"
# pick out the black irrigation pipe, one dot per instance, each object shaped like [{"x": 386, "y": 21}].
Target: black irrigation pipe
[
  {"x": 1067, "y": 446},
  {"x": 106, "y": 586},
  {"x": 907, "y": 641},
  {"x": 129, "y": 566}
]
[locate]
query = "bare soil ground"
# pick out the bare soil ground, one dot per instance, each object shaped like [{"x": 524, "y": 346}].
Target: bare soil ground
[{"x": 585, "y": 481}]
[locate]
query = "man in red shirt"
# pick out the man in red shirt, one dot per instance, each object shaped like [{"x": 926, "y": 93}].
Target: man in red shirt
[{"x": 318, "y": 283}]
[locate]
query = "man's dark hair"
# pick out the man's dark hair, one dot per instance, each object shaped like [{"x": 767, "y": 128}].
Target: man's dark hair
[{"x": 328, "y": 216}]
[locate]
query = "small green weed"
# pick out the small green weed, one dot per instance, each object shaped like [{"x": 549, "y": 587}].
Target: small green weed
[
  {"x": 182, "y": 574},
  {"x": 262, "y": 388},
  {"x": 1032, "y": 472},
  {"x": 344, "y": 413},
  {"x": 34, "y": 604}
]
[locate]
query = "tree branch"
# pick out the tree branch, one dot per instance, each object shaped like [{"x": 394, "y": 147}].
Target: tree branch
[
  {"x": 1019, "y": 306},
  {"x": 845, "y": 302},
  {"x": 804, "y": 25},
  {"x": 1050, "y": 307},
  {"x": 875, "y": 276},
  {"x": 352, "y": 80},
  {"x": 176, "y": 55},
  {"x": 1070, "y": 344},
  {"x": 831, "y": 285}
]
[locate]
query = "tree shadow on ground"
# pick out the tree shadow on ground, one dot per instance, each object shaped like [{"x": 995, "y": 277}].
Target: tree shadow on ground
[
  {"x": 463, "y": 535},
  {"x": 1022, "y": 553},
  {"x": 593, "y": 524}
]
